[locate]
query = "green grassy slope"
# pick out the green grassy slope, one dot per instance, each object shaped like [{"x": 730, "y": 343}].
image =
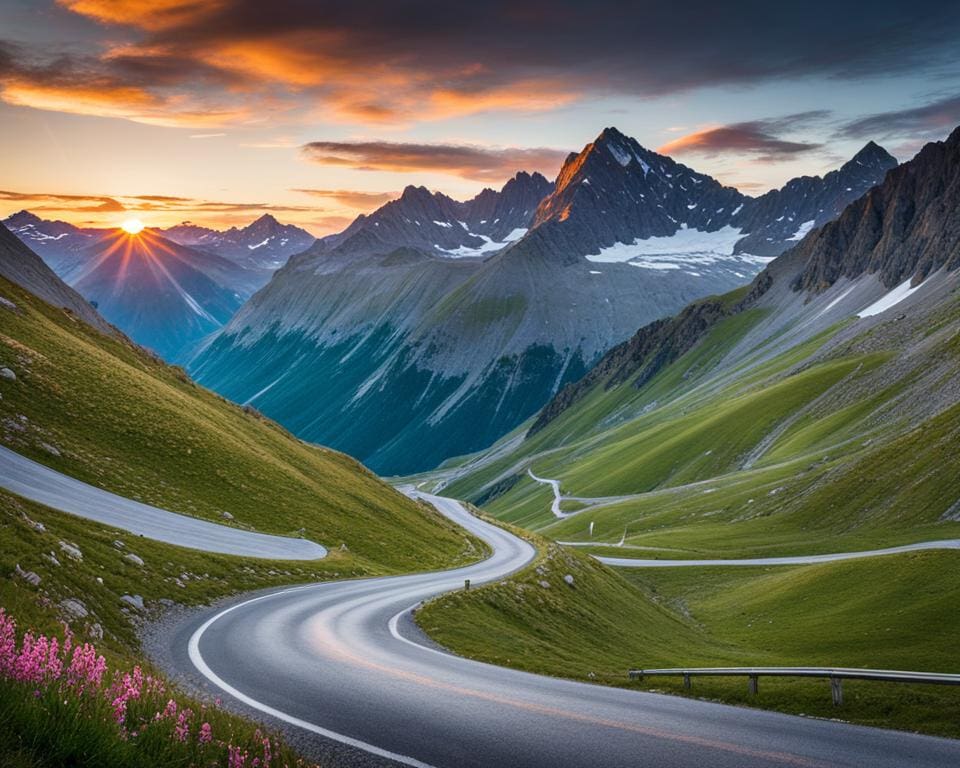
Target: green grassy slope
[
  {"x": 119, "y": 419},
  {"x": 609, "y": 622}
]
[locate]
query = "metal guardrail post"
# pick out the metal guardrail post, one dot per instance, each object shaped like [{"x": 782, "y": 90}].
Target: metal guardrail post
[
  {"x": 686, "y": 681},
  {"x": 836, "y": 688},
  {"x": 753, "y": 685}
]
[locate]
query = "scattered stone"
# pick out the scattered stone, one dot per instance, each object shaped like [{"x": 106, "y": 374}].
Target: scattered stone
[
  {"x": 226, "y": 516},
  {"x": 7, "y": 304},
  {"x": 99, "y": 581},
  {"x": 38, "y": 527},
  {"x": 51, "y": 449},
  {"x": 74, "y": 609},
  {"x": 119, "y": 544},
  {"x": 184, "y": 577},
  {"x": 6, "y": 373},
  {"x": 133, "y": 600},
  {"x": 95, "y": 631},
  {"x": 343, "y": 548},
  {"x": 179, "y": 583},
  {"x": 568, "y": 579},
  {"x": 28, "y": 576},
  {"x": 545, "y": 584},
  {"x": 52, "y": 559},
  {"x": 71, "y": 550},
  {"x": 132, "y": 558}
]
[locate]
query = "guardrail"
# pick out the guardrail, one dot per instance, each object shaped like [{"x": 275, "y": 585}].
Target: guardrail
[{"x": 836, "y": 675}]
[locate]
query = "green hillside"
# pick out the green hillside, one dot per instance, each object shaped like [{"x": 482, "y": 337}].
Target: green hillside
[{"x": 102, "y": 410}]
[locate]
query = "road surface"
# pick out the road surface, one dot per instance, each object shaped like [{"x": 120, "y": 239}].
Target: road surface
[
  {"x": 341, "y": 661},
  {"x": 46, "y": 486},
  {"x": 629, "y": 562}
]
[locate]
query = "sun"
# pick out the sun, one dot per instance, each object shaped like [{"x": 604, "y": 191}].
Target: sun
[{"x": 132, "y": 226}]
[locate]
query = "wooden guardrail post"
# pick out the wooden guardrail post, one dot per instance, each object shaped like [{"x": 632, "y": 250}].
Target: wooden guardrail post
[
  {"x": 753, "y": 685},
  {"x": 466, "y": 584},
  {"x": 836, "y": 688},
  {"x": 686, "y": 681}
]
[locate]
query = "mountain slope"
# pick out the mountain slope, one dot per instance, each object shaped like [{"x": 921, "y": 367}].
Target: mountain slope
[
  {"x": 22, "y": 266},
  {"x": 159, "y": 293},
  {"x": 817, "y": 405},
  {"x": 416, "y": 335}
]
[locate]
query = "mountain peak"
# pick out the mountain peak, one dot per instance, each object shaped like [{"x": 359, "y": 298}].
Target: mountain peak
[
  {"x": 267, "y": 218},
  {"x": 21, "y": 219},
  {"x": 873, "y": 153}
]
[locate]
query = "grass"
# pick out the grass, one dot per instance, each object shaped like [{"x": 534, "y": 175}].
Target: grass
[
  {"x": 122, "y": 420},
  {"x": 609, "y": 622}
]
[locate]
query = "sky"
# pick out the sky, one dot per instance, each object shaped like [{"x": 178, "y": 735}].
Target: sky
[{"x": 217, "y": 111}]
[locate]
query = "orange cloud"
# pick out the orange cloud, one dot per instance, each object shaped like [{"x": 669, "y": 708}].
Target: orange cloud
[
  {"x": 359, "y": 201},
  {"x": 465, "y": 160},
  {"x": 144, "y": 14}
]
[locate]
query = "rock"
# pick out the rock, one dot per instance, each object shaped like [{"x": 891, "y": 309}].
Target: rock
[
  {"x": 545, "y": 584},
  {"x": 99, "y": 581},
  {"x": 179, "y": 583},
  {"x": 95, "y": 631},
  {"x": 6, "y": 373},
  {"x": 51, "y": 449},
  {"x": 73, "y": 609},
  {"x": 133, "y": 600},
  {"x": 119, "y": 544},
  {"x": 28, "y": 576},
  {"x": 7, "y": 304},
  {"x": 38, "y": 527},
  {"x": 71, "y": 550},
  {"x": 343, "y": 548},
  {"x": 132, "y": 558},
  {"x": 52, "y": 560},
  {"x": 226, "y": 516},
  {"x": 568, "y": 579}
]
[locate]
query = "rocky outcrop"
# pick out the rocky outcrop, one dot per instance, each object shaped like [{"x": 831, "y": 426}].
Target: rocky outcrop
[{"x": 908, "y": 227}]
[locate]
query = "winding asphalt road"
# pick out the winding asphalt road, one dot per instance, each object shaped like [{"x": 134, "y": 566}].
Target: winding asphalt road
[
  {"x": 341, "y": 661},
  {"x": 630, "y": 562},
  {"x": 44, "y": 485}
]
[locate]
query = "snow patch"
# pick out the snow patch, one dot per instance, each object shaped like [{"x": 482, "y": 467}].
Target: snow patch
[
  {"x": 891, "y": 299},
  {"x": 802, "y": 230},
  {"x": 622, "y": 156}
]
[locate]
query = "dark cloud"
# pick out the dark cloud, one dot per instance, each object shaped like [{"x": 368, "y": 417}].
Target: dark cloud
[
  {"x": 382, "y": 61},
  {"x": 467, "y": 161},
  {"x": 760, "y": 138},
  {"x": 933, "y": 120}
]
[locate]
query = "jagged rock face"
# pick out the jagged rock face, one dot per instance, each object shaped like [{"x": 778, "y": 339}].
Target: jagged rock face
[
  {"x": 390, "y": 342},
  {"x": 265, "y": 244},
  {"x": 438, "y": 225},
  {"x": 782, "y": 217},
  {"x": 907, "y": 227},
  {"x": 616, "y": 191},
  {"x": 162, "y": 295},
  {"x": 25, "y": 268}
]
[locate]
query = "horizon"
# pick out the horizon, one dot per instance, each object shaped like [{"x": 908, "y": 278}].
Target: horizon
[{"x": 219, "y": 112}]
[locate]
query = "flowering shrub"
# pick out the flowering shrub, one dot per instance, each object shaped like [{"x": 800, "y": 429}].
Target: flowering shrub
[{"x": 64, "y": 682}]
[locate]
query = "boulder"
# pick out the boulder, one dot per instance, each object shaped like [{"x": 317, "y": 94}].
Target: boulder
[
  {"x": 6, "y": 373},
  {"x": 135, "y": 601},
  {"x": 28, "y": 576},
  {"x": 71, "y": 550},
  {"x": 73, "y": 609},
  {"x": 132, "y": 558}
]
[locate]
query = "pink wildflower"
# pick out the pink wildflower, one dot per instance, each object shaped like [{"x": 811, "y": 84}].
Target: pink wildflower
[
  {"x": 206, "y": 734},
  {"x": 182, "y": 729},
  {"x": 8, "y": 643},
  {"x": 235, "y": 757}
]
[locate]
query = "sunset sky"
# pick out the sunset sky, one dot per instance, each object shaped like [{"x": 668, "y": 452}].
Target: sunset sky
[{"x": 216, "y": 111}]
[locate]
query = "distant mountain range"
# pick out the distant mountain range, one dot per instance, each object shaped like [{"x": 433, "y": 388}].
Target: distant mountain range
[
  {"x": 264, "y": 244},
  {"x": 166, "y": 295},
  {"x": 432, "y": 327}
]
